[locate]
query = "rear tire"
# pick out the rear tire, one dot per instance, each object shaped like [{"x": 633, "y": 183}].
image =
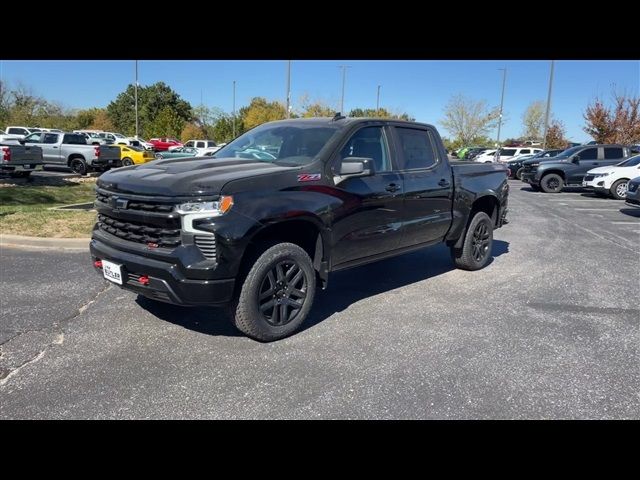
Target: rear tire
[
  {"x": 619, "y": 189},
  {"x": 78, "y": 166},
  {"x": 478, "y": 242},
  {"x": 276, "y": 295},
  {"x": 551, "y": 183},
  {"x": 519, "y": 173},
  {"x": 127, "y": 162},
  {"x": 20, "y": 174}
]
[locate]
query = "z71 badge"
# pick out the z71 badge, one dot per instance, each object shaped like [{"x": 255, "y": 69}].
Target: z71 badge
[{"x": 308, "y": 177}]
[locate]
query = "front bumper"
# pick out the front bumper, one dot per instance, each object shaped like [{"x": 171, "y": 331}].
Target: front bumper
[
  {"x": 166, "y": 283},
  {"x": 530, "y": 178},
  {"x": 597, "y": 184},
  {"x": 633, "y": 198}
]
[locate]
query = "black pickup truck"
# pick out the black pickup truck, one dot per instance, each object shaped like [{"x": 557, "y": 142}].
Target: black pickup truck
[{"x": 273, "y": 212}]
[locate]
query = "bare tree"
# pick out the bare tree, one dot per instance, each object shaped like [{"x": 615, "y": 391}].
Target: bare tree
[
  {"x": 466, "y": 119},
  {"x": 533, "y": 120},
  {"x": 619, "y": 124}
]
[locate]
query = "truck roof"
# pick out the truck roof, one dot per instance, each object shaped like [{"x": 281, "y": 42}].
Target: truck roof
[{"x": 348, "y": 121}]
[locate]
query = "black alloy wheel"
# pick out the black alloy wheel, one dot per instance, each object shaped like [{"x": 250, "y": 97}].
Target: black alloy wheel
[{"x": 282, "y": 293}]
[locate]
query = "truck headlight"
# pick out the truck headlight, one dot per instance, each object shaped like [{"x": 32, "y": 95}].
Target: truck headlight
[
  {"x": 600, "y": 175},
  {"x": 220, "y": 207}
]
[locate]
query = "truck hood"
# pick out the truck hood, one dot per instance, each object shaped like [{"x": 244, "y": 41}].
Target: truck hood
[{"x": 184, "y": 176}]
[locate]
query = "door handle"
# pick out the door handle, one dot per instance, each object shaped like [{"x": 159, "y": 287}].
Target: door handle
[
  {"x": 392, "y": 187},
  {"x": 443, "y": 182},
  {"x": 595, "y": 163},
  {"x": 55, "y": 147}
]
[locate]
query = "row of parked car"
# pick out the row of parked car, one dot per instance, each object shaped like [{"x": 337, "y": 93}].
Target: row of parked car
[{"x": 24, "y": 148}]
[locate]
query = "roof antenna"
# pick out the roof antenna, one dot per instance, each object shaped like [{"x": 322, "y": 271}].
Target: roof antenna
[{"x": 338, "y": 116}]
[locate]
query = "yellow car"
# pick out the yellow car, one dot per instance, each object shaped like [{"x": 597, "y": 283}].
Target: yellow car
[{"x": 134, "y": 155}]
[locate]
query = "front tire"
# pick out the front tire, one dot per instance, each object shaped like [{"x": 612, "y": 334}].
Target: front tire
[
  {"x": 478, "y": 242},
  {"x": 619, "y": 189},
  {"x": 519, "y": 173},
  {"x": 551, "y": 183},
  {"x": 277, "y": 293}
]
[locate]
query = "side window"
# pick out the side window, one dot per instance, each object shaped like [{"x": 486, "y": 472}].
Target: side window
[
  {"x": 200, "y": 144},
  {"x": 612, "y": 153},
  {"x": 589, "y": 154},
  {"x": 417, "y": 148},
  {"x": 369, "y": 142},
  {"x": 211, "y": 144},
  {"x": 50, "y": 138},
  {"x": 508, "y": 152},
  {"x": 189, "y": 143},
  {"x": 524, "y": 151},
  {"x": 17, "y": 131},
  {"x": 33, "y": 138}
]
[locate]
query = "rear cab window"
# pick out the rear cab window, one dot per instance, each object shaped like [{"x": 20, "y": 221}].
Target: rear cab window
[{"x": 416, "y": 148}]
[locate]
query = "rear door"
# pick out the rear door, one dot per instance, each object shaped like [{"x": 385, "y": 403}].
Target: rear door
[
  {"x": 368, "y": 220},
  {"x": 612, "y": 155},
  {"x": 51, "y": 149},
  {"x": 428, "y": 186}
]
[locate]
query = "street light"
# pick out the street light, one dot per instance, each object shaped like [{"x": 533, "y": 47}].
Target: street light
[
  {"x": 288, "y": 88},
  {"x": 136, "y": 98},
  {"x": 548, "y": 109},
  {"x": 344, "y": 77},
  {"x": 378, "y": 100},
  {"x": 504, "y": 79},
  {"x": 234, "y": 109}
]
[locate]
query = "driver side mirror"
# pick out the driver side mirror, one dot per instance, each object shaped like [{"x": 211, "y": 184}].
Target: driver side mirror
[
  {"x": 352, "y": 167},
  {"x": 576, "y": 159}
]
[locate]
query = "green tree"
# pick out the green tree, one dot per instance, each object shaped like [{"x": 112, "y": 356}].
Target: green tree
[
  {"x": 192, "y": 131},
  {"x": 153, "y": 100},
  {"x": 533, "y": 120},
  {"x": 222, "y": 130},
  {"x": 467, "y": 119},
  {"x": 166, "y": 123}
]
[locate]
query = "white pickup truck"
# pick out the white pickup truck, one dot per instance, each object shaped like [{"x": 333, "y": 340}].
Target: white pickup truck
[{"x": 71, "y": 150}]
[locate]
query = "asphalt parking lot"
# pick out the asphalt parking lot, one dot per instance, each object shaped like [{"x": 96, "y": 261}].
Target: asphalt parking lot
[{"x": 550, "y": 329}]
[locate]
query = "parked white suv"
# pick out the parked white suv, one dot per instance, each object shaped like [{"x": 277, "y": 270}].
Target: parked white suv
[
  {"x": 21, "y": 131},
  {"x": 506, "y": 154},
  {"x": 613, "y": 180}
]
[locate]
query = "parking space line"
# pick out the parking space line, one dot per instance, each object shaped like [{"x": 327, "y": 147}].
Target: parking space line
[
  {"x": 626, "y": 223},
  {"x": 616, "y": 209}
]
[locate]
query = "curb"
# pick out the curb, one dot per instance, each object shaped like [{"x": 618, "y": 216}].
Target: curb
[{"x": 42, "y": 243}]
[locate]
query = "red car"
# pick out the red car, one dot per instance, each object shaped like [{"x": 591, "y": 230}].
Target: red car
[{"x": 163, "y": 144}]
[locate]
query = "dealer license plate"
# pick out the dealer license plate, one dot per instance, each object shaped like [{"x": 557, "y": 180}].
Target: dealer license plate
[{"x": 112, "y": 271}]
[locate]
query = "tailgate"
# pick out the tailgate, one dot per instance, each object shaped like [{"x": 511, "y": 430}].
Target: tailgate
[
  {"x": 109, "y": 152},
  {"x": 24, "y": 154}
]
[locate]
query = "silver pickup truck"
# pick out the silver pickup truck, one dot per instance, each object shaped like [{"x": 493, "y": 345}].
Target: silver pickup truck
[
  {"x": 71, "y": 150},
  {"x": 18, "y": 160}
]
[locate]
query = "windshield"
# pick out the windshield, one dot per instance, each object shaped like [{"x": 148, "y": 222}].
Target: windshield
[
  {"x": 568, "y": 153},
  {"x": 630, "y": 162},
  {"x": 292, "y": 144}
]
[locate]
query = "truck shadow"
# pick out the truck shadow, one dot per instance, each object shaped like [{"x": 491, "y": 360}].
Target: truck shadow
[
  {"x": 345, "y": 288},
  {"x": 632, "y": 212}
]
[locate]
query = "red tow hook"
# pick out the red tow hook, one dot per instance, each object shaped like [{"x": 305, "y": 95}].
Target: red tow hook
[
  {"x": 97, "y": 264},
  {"x": 144, "y": 280}
]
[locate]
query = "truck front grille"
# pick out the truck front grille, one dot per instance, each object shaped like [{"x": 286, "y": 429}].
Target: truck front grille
[{"x": 139, "y": 232}]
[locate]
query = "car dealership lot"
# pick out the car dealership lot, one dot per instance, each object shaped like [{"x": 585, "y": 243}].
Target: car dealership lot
[{"x": 549, "y": 330}]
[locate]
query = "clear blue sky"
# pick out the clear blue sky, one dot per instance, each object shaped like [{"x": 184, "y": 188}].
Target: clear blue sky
[{"x": 421, "y": 88}]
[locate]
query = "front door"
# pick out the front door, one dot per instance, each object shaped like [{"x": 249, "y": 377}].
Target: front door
[
  {"x": 587, "y": 159},
  {"x": 51, "y": 148},
  {"x": 428, "y": 187},
  {"x": 367, "y": 221}
]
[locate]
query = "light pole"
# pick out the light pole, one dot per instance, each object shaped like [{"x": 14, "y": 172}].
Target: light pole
[
  {"x": 548, "y": 109},
  {"x": 136, "y": 98},
  {"x": 378, "y": 100},
  {"x": 234, "y": 109},
  {"x": 504, "y": 79},
  {"x": 288, "y": 88},
  {"x": 344, "y": 78}
]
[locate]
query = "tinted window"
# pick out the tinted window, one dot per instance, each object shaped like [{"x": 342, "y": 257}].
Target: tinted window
[
  {"x": 188, "y": 144},
  {"x": 50, "y": 138},
  {"x": 507, "y": 152},
  {"x": 369, "y": 142},
  {"x": 417, "y": 148},
  {"x": 200, "y": 144},
  {"x": 631, "y": 162},
  {"x": 74, "y": 139},
  {"x": 612, "y": 153},
  {"x": 211, "y": 144},
  {"x": 589, "y": 154},
  {"x": 524, "y": 150},
  {"x": 17, "y": 131}
]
